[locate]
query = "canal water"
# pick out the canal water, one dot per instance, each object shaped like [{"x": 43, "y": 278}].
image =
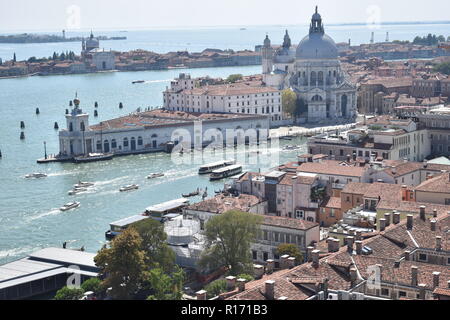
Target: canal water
[{"x": 29, "y": 214}]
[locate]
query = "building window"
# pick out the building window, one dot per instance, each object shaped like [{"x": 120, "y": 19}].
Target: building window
[
  {"x": 255, "y": 255},
  {"x": 401, "y": 294},
  {"x": 125, "y": 142},
  {"x": 99, "y": 145},
  {"x": 113, "y": 143},
  {"x": 140, "y": 141},
  {"x": 423, "y": 257},
  {"x": 385, "y": 292}
]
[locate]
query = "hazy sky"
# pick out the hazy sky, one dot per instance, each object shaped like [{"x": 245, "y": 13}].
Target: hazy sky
[{"x": 55, "y": 15}]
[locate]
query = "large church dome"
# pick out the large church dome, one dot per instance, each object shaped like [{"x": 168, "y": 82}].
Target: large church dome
[{"x": 317, "y": 45}]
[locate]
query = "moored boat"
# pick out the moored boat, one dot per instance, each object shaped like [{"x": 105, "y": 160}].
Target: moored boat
[
  {"x": 92, "y": 157},
  {"x": 129, "y": 188},
  {"x": 70, "y": 206}
]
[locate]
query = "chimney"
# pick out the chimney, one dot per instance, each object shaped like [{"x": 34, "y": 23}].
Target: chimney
[
  {"x": 359, "y": 247},
  {"x": 309, "y": 251},
  {"x": 350, "y": 241},
  {"x": 407, "y": 255},
  {"x": 333, "y": 245},
  {"x": 270, "y": 266},
  {"x": 258, "y": 271},
  {"x": 359, "y": 235},
  {"x": 382, "y": 224},
  {"x": 422, "y": 213},
  {"x": 315, "y": 258},
  {"x": 434, "y": 213},
  {"x": 380, "y": 267},
  {"x": 349, "y": 158},
  {"x": 284, "y": 261},
  {"x": 422, "y": 288},
  {"x": 397, "y": 264},
  {"x": 291, "y": 262},
  {"x": 282, "y": 298},
  {"x": 425, "y": 163},
  {"x": 231, "y": 283},
  {"x": 387, "y": 216},
  {"x": 396, "y": 218},
  {"x": 409, "y": 221},
  {"x": 241, "y": 284},
  {"x": 436, "y": 279},
  {"x": 201, "y": 295},
  {"x": 414, "y": 273},
  {"x": 448, "y": 284},
  {"x": 438, "y": 243},
  {"x": 353, "y": 276},
  {"x": 433, "y": 225},
  {"x": 270, "y": 289}
]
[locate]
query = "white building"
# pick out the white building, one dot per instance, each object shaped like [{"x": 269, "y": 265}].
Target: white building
[
  {"x": 99, "y": 58},
  {"x": 313, "y": 71},
  {"x": 250, "y": 97},
  {"x": 150, "y": 131}
]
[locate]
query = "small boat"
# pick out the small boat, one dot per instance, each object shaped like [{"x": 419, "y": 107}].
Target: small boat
[
  {"x": 129, "y": 188},
  {"x": 83, "y": 185},
  {"x": 70, "y": 206},
  {"x": 35, "y": 176},
  {"x": 192, "y": 194},
  {"x": 155, "y": 175},
  {"x": 138, "y": 81},
  {"x": 92, "y": 157},
  {"x": 77, "y": 191}
]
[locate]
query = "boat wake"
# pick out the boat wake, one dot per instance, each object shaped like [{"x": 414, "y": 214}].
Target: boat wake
[{"x": 52, "y": 212}]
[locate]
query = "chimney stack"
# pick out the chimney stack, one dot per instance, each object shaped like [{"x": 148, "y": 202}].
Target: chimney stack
[
  {"x": 291, "y": 262},
  {"x": 284, "y": 262},
  {"x": 448, "y": 284},
  {"x": 433, "y": 225},
  {"x": 231, "y": 283},
  {"x": 396, "y": 218},
  {"x": 353, "y": 276},
  {"x": 409, "y": 221},
  {"x": 359, "y": 247},
  {"x": 315, "y": 258},
  {"x": 201, "y": 295},
  {"x": 422, "y": 213},
  {"x": 435, "y": 213},
  {"x": 258, "y": 271},
  {"x": 422, "y": 288},
  {"x": 438, "y": 243},
  {"x": 241, "y": 284},
  {"x": 407, "y": 255},
  {"x": 359, "y": 235},
  {"x": 309, "y": 251},
  {"x": 270, "y": 266},
  {"x": 350, "y": 241},
  {"x": 414, "y": 274},
  {"x": 387, "y": 216},
  {"x": 270, "y": 289},
  {"x": 382, "y": 224},
  {"x": 436, "y": 279}
]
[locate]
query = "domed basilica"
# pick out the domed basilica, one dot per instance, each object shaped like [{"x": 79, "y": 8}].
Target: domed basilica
[{"x": 313, "y": 71}]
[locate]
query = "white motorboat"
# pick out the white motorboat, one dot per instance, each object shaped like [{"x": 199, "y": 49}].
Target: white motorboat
[
  {"x": 35, "y": 175},
  {"x": 77, "y": 191},
  {"x": 129, "y": 188},
  {"x": 155, "y": 175},
  {"x": 83, "y": 185},
  {"x": 70, "y": 206}
]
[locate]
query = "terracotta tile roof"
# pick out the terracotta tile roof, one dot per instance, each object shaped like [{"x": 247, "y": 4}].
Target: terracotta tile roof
[
  {"x": 333, "y": 202},
  {"x": 439, "y": 184},
  {"x": 328, "y": 168},
  {"x": 221, "y": 204},
  {"x": 442, "y": 292},
  {"x": 289, "y": 223}
]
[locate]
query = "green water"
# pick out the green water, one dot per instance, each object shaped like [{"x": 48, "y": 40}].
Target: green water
[{"x": 29, "y": 215}]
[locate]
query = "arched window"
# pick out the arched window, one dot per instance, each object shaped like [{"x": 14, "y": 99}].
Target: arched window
[
  {"x": 317, "y": 98},
  {"x": 125, "y": 142},
  {"x": 313, "y": 79},
  {"x": 82, "y": 126},
  {"x": 320, "y": 75},
  {"x": 113, "y": 144},
  {"x": 71, "y": 127},
  {"x": 140, "y": 141},
  {"x": 154, "y": 135}
]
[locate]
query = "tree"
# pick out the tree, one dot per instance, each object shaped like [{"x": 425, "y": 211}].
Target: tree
[
  {"x": 247, "y": 277},
  {"x": 93, "y": 284},
  {"x": 443, "y": 68},
  {"x": 164, "y": 286},
  {"x": 122, "y": 264},
  {"x": 67, "y": 293},
  {"x": 292, "y": 250},
  {"x": 228, "y": 241},
  {"x": 157, "y": 252},
  {"x": 216, "y": 287},
  {"x": 289, "y": 102},
  {"x": 234, "y": 78}
]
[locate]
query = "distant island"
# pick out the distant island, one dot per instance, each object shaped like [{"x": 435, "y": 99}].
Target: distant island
[{"x": 47, "y": 38}]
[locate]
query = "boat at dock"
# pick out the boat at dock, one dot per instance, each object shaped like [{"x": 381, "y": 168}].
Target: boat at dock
[
  {"x": 209, "y": 168},
  {"x": 192, "y": 194},
  {"x": 155, "y": 175},
  {"x": 35, "y": 176},
  {"x": 129, "y": 188},
  {"x": 226, "y": 172},
  {"x": 70, "y": 206},
  {"x": 92, "y": 157}
]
